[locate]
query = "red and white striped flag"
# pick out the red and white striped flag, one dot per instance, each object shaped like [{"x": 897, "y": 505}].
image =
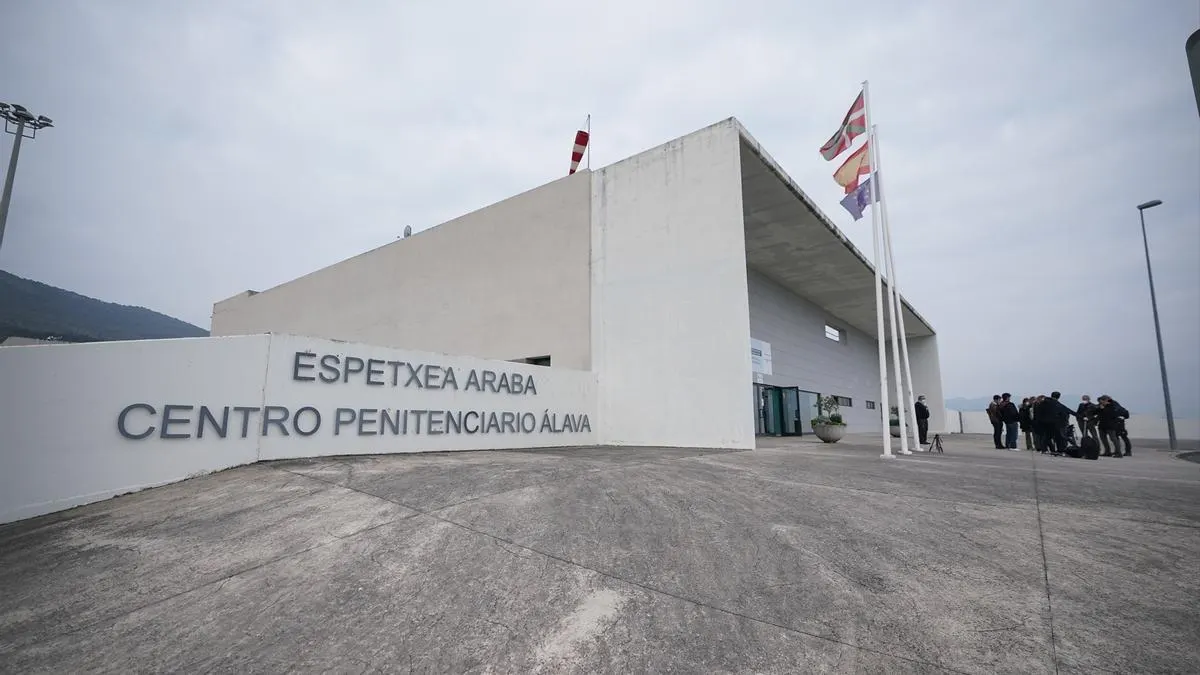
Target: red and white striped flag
[{"x": 581, "y": 141}]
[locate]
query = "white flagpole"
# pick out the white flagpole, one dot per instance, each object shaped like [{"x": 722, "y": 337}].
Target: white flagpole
[
  {"x": 896, "y": 301},
  {"x": 879, "y": 327},
  {"x": 893, "y": 304}
]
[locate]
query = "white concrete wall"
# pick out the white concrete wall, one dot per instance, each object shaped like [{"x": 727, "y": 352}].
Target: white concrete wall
[
  {"x": 61, "y": 440},
  {"x": 976, "y": 422},
  {"x": 670, "y": 316},
  {"x": 925, "y": 363},
  {"x": 953, "y": 421},
  {"x": 803, "y": 357},
  {"x": 1139, "y": 426},
  {"x": 508, "y": 281}
]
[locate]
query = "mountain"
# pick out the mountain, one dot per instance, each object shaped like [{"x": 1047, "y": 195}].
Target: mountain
[
  {"x": 981, "y": 403},
  {"x": 36, "y": 310},
  {"x": 968, "y": 404}
]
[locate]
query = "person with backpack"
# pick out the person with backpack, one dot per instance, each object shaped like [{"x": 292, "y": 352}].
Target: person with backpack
[
  {"x": 1010, "y": 416},
  {"x": 1122, "y": 433},
  {"x": 1111, "y": 418},
  {"x": 993, "y": 413}
]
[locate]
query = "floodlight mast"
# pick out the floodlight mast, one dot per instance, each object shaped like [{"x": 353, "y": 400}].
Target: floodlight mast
[{"x": 22, "y": 124}]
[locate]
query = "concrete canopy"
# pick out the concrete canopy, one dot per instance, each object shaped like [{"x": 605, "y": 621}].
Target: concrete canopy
[{"x": 791, "y": 241}]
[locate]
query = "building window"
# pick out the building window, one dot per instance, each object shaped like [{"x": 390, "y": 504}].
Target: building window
[
  {"x": 845, "y": 402},
  {"x": 870, "y": 405},
  {"x": 832, "y": 333}
]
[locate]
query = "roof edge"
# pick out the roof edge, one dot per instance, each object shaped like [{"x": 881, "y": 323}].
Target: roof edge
[{"x": 794, "y": 188}]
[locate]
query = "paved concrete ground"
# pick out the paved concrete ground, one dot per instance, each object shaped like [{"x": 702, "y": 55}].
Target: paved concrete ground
[{"x": 797, "y": 557}]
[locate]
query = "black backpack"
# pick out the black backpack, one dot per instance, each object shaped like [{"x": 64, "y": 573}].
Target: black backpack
[{"x": 1089, "y": 448}]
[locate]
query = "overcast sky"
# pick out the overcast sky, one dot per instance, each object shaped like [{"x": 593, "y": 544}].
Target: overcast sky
[{"x": 204, "y": 148}]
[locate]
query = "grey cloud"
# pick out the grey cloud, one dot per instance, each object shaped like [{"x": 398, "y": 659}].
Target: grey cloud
[{"x": 205, "y": 148}]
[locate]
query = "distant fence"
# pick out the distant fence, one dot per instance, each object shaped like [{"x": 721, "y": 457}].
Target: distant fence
[{"x": 1140, "y": 426}]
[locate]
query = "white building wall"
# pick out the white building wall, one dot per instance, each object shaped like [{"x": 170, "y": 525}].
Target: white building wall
[
  {"x": 61, "y": 440},
  {"x": 803, "y": 357},
  {"x": 59, "y": 443},
  {"x": 670, "y": 328},
  {"x": 508, "y": 281},
  {"x": 926, "y": 367}
]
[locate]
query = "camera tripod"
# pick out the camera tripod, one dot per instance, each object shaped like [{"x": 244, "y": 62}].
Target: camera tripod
[{"x": 936, "y": 445}]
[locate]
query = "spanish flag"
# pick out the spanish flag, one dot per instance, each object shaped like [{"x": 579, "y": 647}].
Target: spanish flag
[{"x": 857, "y": 164}]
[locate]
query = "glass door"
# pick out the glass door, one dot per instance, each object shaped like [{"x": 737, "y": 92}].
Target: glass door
[
  {"x": 783, "y": 411},
  {"x": 790, "y": 411},
  {"x": 808, "y": 410},
  {"x": 769, "y": 420}
]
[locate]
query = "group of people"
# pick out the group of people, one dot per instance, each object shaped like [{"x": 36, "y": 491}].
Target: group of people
[{"x": 1046, "y": 423}]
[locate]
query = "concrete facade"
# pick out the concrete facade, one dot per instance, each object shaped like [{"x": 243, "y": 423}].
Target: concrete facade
[
  {"x": 654, "y": 273},
  {"x": 803, "y": 357},
  {"x": 670, "y": 312},
  {"x": 507, "y": 282}
]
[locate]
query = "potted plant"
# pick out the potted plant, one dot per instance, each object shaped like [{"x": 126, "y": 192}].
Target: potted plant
[
  {"x": 894, "y": 421},
  {"x": 828, "y": 425}
]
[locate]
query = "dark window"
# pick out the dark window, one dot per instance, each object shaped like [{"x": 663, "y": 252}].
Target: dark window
[
  {"x": 845, "y": 402},
  {"x": 870, "y": 405}
]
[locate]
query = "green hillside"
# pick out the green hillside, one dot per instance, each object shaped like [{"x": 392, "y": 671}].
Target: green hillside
[{"x": 36, "y": 310}]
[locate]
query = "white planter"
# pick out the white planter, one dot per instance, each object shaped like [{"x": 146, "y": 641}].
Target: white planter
[
  {"x": 830, "y": 433},
  {"x": 895, "y": 432}
]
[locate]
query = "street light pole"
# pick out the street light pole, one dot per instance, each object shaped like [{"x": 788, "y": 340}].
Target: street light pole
[
  {"x": 24, "y": 122},
  {"x": 1162, "y": 360}
]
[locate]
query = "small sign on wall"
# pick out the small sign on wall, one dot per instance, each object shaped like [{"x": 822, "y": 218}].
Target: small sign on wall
[{"x": 760, "y": 357}]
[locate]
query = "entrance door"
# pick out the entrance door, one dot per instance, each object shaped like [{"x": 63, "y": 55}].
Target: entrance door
[
  {"x": 808, "y": 410},
  {"x": 790, "y": 411},
  {"x": 769, "y": 410},
  {"x": 779, "y": 411}
]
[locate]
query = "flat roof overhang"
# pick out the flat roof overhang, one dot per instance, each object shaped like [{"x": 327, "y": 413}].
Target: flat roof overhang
[{"x": 790, "y": 241}]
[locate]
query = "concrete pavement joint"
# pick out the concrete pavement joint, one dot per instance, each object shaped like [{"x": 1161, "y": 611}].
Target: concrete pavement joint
[
  {"x": 592, "y": 471},
  {"x": 1045, "y": 564},
  {"x": 783, "y": 481},
  {"x": 644, "y": 587},
  {"x": 1098, "y": 474},
  {"x": 112, "y": 618}
]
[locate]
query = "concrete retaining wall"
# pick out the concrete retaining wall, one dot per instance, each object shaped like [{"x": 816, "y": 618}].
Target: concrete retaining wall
[
  {"x": 84, "y": 422},
  {"x": 1139, "y": 426}
]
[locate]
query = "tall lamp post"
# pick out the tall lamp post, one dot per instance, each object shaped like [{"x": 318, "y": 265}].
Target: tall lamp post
[
  {"x": 1162, "y": 361},
  {"x": 22, "y": 124}
]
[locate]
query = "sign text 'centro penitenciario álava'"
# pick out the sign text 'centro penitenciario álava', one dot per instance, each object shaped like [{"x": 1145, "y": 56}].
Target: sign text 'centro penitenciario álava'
[{"x": 138, "y": 421}]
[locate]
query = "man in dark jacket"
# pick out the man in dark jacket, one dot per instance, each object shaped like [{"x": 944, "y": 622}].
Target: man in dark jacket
[
  {"x": 1025, "y": 419},
  {"x": 1111, "y": 417},
  {"x": 1050, "y": 417},
  {"x": 1010, "y": 416},
  {"x": 993, "y": 412},
  {"x": 922, "y": 418},
  {"x": 1086, "y": 414}
]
